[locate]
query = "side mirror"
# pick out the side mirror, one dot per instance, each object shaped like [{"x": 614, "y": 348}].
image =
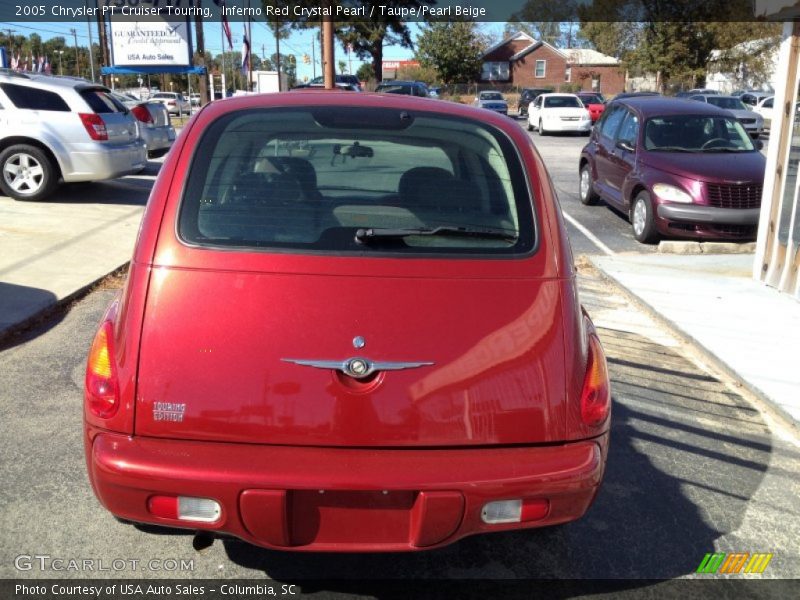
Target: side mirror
[{"x": 625, "y": 145}]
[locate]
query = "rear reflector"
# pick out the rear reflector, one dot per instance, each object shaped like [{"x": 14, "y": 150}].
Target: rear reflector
[
  {"x": 95, "y": 126},
  {"x": 596, "y": 394},
  {"x": 515, "y": 511},
  {"x": 101, "y": 387},
  {"x": 184, "y": 508}
]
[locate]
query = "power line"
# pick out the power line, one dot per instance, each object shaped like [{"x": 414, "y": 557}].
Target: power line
[{"x": 38, "y": 29}]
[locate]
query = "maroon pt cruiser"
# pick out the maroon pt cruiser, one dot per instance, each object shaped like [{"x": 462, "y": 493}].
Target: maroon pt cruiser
[
  {"x": 676, "y": 168},
  {"x": 350, "y": 324}
]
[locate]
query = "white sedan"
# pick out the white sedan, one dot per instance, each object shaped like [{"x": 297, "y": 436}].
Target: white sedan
[
  {"x": 558, "y": 112},
  {"x": 764, "y": 108}
]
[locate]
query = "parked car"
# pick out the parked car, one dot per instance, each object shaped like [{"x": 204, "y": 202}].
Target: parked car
[
  {"x": 435, "y": 91},
  {"x": 407, "y": 88},
  {"x": 340, "y": 80},
  {"x": 636, "y": 95},
  {"x": 527, "y": 96},
  {"x": 155, "y": 128},
  {"x": 491, "y": 101},
  {"x": 550, "y": 113},
  {"x": 594, "y": 103},
  {"x": 752, "y": 121},
  {"x": 753, "y": 98},
  {"x": 764, "y": 110},
  {"x": 677, "y": 168},
  {"x": 194, "y": 99},
  {"x": 62, "y": 129},
  {"x": 433, "y": 375},
  {"x": 175, "y": 102}
]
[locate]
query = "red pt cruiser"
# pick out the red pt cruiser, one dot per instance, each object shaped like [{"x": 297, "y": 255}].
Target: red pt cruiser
[{"x": 350, "y": 324}]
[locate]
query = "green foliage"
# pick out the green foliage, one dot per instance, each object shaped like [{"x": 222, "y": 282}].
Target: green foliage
[
  {"x": 365, "y": 72},
  {"x": 427, "y": 74},
  {"x": 452, "y": 48}
]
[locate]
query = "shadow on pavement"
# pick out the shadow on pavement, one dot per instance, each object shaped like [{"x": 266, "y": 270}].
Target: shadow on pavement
[
  {"x": 686, "y": 456},
  {"x": 18, "y": 304},
  {"x": 131, "y": 190}
]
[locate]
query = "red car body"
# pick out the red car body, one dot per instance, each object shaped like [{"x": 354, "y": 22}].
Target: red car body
[
  {"x": 194, "y": 386},
  {"x": 590, "y": 102}
]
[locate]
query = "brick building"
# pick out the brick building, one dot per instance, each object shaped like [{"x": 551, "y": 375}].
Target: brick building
[{"x": 522, "y": 61}]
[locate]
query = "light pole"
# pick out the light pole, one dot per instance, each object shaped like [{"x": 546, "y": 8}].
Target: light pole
[{"x": 60, "y": 64}]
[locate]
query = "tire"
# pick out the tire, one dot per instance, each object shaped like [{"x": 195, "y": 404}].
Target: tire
[
  {"x": 585, "y": 189},
  {"x": 541, "y": 128},
  {"x": 643, "y": 220},
  {"x": 27, "y": 173},
  {"x": 530, "y": 127}
]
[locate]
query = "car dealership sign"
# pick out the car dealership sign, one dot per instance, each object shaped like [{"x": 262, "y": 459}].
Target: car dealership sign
[{"x": 154, "y": 43}]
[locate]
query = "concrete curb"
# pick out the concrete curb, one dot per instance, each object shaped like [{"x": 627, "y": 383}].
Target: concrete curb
[
  {"x": 774, "y": 410},
  {"x": 674, "y": 247},
  {"x": 54, "y": 308}
]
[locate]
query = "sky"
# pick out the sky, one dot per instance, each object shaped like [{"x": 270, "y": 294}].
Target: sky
[{"x": 299, "y": 43}]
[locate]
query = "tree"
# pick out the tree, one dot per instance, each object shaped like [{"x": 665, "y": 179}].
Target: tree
[
  {"x": 452, "y": 48},
  {"x": 366, "y": 37},
  {"x": 365, "y": 72}
]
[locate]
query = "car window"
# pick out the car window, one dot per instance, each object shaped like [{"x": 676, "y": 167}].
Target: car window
[
  {"x": 309, "y": 179},
  {"x": 629, "y": 130},
  {"x": 395, "y": 89},
  {"x": 491, "y": 96},
  {"x": 611, "y": 121},
  {"x": 768, "y": 103},
  {"x": 34, "y": 99},
  {"x": 726, "y": 103},
  {"x": 748, "y": 99},
  {"x": 562, "y": 102},
  {"x": 101, "y": 102},
  {"x": 696, "y": 133},
  {"x": 591, "y": 99}
]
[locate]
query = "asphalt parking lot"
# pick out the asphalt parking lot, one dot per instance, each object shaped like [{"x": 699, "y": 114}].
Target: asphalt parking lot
[{"x": 695, "y": 465}]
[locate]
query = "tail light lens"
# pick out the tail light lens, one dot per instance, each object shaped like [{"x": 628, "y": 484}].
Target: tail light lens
[
  {"x": 102, "y": 386},
  {"x": 142, "y": 115},
  {"x": 95, "y": 126},
  {"x": 596, "y": 393}
]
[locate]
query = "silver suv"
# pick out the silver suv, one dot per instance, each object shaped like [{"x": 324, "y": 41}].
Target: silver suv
[{"x": 60, "y": 128}]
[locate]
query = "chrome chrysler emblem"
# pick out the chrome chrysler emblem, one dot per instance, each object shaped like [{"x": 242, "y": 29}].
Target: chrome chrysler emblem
[
  {"x": 359, "y": 342},
  {"x": 357, "y": 367}
]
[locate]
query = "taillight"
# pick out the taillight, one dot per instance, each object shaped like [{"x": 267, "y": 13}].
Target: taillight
[
  {"x": 596, "y": 393},
  {"x": 94, "y": 126},
  {"x": 102, "y": 388},
  {"x": 142, "y": 114}
]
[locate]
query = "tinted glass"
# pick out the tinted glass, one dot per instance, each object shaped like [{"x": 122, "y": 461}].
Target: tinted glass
[
  {"x": 395, "y": 89},
  {"x": 591, "y": 99},
  {"x": 309, "y": 179},
  {"x": 491, "y": 96},
  {"x": 768, "y": 103},
  {"x": 690, "y": 133},
  {"x": 611, "y": 121},
  {"x": 629, "y": 131},
  {"x": 562, "y": 102},
  {"x": 31, "y": 98},
  {"x": 726, "y": 103},
  {"x": 101, "y": 102}
]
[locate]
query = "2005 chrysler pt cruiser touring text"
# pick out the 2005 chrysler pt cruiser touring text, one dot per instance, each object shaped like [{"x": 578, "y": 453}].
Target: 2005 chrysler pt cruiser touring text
[{"x": 351, "y": 323}]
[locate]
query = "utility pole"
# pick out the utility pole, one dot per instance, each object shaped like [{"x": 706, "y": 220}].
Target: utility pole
[
  {"x": 103, "y": 41},
  {"x": 77, "y": 56},
  {"x": 330, "y": 74},
  {"x": 278, "y": 53},
  {"x": 313, "y": 60},
  {"x": 200, "y": 56},
  {"x": 91, "y": 41}
]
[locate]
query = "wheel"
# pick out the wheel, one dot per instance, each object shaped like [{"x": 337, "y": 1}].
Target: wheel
[
  {"x": 587, "y": 193},
  {"x": 530, "y": 127},
  {"x": 541, "y": 129},
  {"x": 643, "y": 220},
  {"x": 27, "y": 173}
]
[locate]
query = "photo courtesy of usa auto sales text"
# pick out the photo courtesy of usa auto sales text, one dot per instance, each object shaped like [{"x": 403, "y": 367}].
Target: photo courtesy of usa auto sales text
[{"x": 136, "y": 589}]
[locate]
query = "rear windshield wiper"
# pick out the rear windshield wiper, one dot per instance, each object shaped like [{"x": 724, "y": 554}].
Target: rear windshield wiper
[{"x": 365, "y": 235}]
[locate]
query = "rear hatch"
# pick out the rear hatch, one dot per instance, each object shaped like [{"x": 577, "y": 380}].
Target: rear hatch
[
  {"x": 121, "y": 126},
  {"x": 265, "y": 285}
]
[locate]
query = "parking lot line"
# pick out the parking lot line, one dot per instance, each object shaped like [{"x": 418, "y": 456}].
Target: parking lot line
[{"x": 592, "y": 238}]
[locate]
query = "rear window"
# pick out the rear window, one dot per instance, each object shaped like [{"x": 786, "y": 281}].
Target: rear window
[
  {"x": 357, "y": 180},
  {"x": 562, "y": 102},
  {"x": 34, "y": 99},
  {"x": 101, "y": 102}
]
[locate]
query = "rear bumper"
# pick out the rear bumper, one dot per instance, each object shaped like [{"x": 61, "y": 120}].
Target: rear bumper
[
  {"x": 559, "y": 125},
  {"x": 94, "y": 161},
  {"x": 340, "y": 499},
  {"x": 694, "y": 213},
  {"x": 157, "y": 138}
]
